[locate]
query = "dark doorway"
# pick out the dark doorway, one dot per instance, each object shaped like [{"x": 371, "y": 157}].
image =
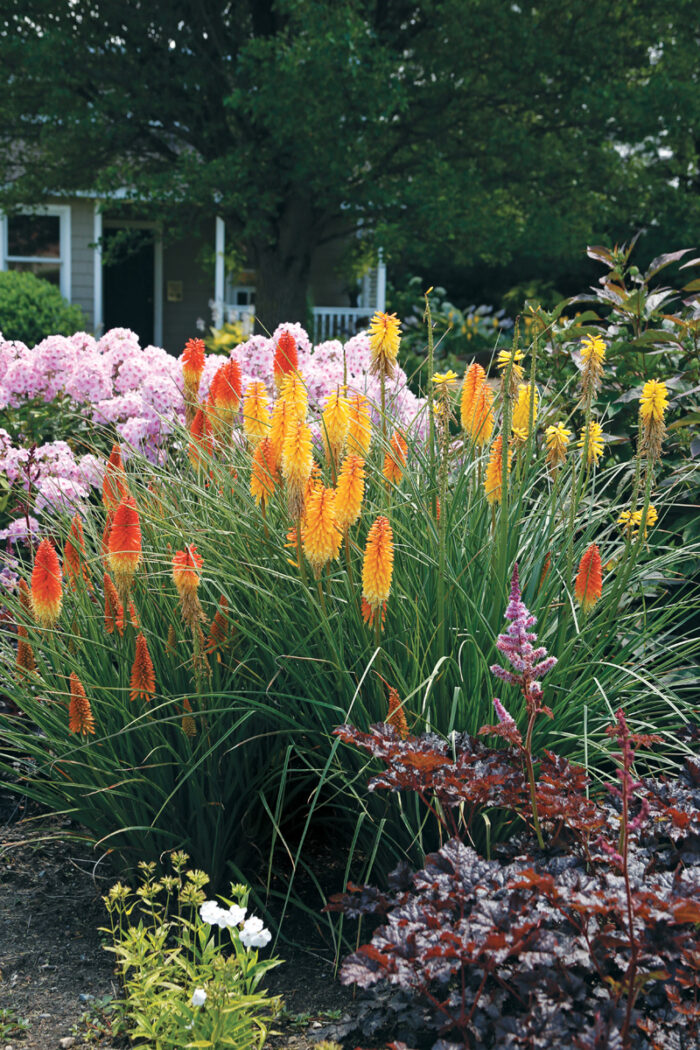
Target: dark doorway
[{"x": 127, "y": 280}]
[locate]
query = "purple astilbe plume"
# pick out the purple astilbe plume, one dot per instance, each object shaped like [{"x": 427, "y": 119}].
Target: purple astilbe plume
[{"x": 530, "y": 663}]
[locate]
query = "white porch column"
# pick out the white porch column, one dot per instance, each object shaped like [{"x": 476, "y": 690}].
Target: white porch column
[
  {"x": 381, "y": 282},
  {"x": 219, "y": 270},
  {"x": 97, "y": 307}
]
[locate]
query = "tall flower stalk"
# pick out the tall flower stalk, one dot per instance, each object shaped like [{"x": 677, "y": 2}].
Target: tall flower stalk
[{"x": 531, "y": 664}]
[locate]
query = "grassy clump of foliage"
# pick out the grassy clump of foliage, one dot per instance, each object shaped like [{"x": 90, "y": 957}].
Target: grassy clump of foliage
[{"x": 228, "y": 747}]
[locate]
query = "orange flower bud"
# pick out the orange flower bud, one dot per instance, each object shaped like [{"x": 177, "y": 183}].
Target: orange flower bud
[
  {"x": 143, "y": 676},
  {"x": 80, "y": 718},
  {"x": 589, "y": 581}
]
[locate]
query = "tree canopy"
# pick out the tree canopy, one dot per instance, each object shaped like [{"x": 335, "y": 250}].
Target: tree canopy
[{"x": 480, "y": 126}]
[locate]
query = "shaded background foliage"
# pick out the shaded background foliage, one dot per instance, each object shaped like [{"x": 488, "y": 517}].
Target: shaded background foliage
[{"x": 483, "y": 142}]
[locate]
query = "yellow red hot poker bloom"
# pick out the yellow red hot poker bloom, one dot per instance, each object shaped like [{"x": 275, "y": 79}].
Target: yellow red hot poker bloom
[
  {"x": 378, "y": 564},
  {"x": 295, "y": 394},
  {"x": 652, "y": 410},
  {"x": 589, "y": 579},
  {"x": 46, "y": 585},
  {"x": 335, "y": 422},
  {"x": 256, "y": 415},
  {"x": 124, "y": 544},
  {"x": 493, "y": 480},
  {"x": 282, "y": 413},
  {"x": 359, "y": 425},
  {"x": 350, "y": 491},
  {"x": 297, "y": 461},
  {"x": 592, "y": 443},
  {"x": 511, "y": 360},
  {"x": 320, "y": 534},
  {"x": 143, "y": 676},
  {"x": 80, "y": 717},
  {"x": 593, "y": 356},
  {"x": 384, "y": 340},
  {"x": 525, "y": 407},
  {"x": 556, "y": 438}
]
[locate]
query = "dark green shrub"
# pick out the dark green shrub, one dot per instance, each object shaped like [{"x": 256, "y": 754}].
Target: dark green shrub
[{"x": 31, "y": 309}]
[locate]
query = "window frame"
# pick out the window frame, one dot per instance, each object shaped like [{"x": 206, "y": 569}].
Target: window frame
[{"x": 63, "y": 260}]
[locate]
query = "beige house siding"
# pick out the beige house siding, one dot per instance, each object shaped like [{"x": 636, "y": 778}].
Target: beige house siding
[
  {"x": 83, "y": 257},
  {"x": 191, "y": 262}
]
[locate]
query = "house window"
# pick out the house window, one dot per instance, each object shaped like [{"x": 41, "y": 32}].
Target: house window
[
  {"x": 240, "y": 295},
  {"x": 39, "y": 243}
]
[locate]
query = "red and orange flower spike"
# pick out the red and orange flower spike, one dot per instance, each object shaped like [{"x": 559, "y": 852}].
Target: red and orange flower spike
[
  {"x": 46, "y": 586},
  {"x": 193, "y": 358},
  {"x": 114, "y": 486},
  {"x": 114, "y": 611},
  {"x": 286, "y": 358},
  {"x": 80, "y": 717},
  {"x": 186, "y": 566},
  {"x": 589, "y": 581},
  {"x": 264, "y": 475},
  {"x": 350, "y": 491},
  {"x": 226, "y": 389},
  {"x": 218, "y": 631},
  {"x": 395, "y": 715},
  {"x": 143, "y": 677},
  {"x": 378, "y": 565},
  {"x": 25, "y": 654},
  {"x": 124, "y": 545},
  {"x": 201, "y": 438},
  {"x": 395, "y": 459},
  {"x": 493, "y": 481}
]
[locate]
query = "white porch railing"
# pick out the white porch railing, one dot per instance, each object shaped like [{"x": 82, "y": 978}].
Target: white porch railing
[{"x": 330, "y": 322}]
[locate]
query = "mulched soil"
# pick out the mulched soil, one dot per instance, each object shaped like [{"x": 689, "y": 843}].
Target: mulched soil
[{"x": 53, "y": 965}]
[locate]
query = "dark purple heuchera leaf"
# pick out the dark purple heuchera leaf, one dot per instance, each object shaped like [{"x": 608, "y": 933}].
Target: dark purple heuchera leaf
[{"x": 533, "y": 949}]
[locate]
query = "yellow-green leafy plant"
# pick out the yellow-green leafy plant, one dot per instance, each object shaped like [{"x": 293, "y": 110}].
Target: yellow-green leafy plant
[{"x": 189, "y": 967}]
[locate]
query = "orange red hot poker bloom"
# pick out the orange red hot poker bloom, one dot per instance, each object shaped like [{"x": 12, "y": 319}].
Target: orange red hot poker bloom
[
  {"x": 286, "y": 357},
  {"x": 143, "y": 676},
  {"x": 124, "y": 543},
  {"x": 589, "y": 581},
  {"x": 46, "y": 586},
  {"x": 80, "y": 717}
]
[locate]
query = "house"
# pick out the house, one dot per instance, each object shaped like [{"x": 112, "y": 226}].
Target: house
[{"x": 162, "y": 290}]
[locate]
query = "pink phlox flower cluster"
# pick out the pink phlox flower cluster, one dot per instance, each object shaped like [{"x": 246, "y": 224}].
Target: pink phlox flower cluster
[
  {"x": 16, "y": 531},
  {"x": 531, "y": 663}
]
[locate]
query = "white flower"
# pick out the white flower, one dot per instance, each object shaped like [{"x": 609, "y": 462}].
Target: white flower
[
  {"x": 235, "y": 915},
  {"x": 199, "y": 997},
  {"x": 209, "y": 912},
  {"x": 254, "y": 934}
]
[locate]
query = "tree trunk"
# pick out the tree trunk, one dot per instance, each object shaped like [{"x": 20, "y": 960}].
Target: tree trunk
[{"x": 283, "y": 268}]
